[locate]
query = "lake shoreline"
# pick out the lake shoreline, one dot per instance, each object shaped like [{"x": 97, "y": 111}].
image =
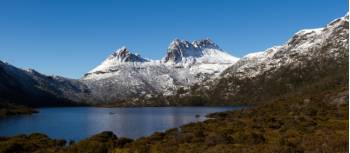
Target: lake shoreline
[
  {"x": 77, "y": 123},
  {"x": 295, "y": 124}
]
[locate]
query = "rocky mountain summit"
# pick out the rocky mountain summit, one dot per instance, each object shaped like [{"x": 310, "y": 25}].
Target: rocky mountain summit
[
  {"x": 200, "y": 51},
  {"x": 126, "y": 75},
  {"x": 311, "y": 60}
]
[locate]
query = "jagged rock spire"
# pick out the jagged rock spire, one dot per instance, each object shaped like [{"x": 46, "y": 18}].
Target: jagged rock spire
[
  {"x": 124, "y": 55},
  {"x": 181, "y": 49}
]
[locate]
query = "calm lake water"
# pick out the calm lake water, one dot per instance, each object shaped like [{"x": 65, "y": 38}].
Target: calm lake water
[{"x": 76, "y": 123}]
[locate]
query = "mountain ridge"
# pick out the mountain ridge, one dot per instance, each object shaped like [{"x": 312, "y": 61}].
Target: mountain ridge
[
  {"x": 114, "y": 80},
  {"x": 310, "y": 60},
  {"x": 199, "y": 72}
]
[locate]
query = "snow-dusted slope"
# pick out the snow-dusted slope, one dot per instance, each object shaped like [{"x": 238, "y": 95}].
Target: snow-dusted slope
[
  {"x": 120, "y": 56},
  {"x": 305, "y": 45},
  {"x": 313, "y": 59},
  {"x": 184, "y": 53},
  {"x": 29, "y": 87},
  {"x": 126, "y": 75}
]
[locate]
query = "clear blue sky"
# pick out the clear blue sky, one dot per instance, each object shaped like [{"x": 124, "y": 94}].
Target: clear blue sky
[{"x": 68, "y": 38}]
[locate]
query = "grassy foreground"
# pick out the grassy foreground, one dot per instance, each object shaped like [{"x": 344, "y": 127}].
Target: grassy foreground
[{"x": 316, "y": 123}]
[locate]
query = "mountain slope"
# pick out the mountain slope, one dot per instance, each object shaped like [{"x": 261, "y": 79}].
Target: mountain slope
[
  {"x": 119, "y": 57},
  {"x": 30, "y": 88},
  {"x": 312, "y": 60},
  {"x": 124, "y": 75},
  {"x": 200, "y": 51}
]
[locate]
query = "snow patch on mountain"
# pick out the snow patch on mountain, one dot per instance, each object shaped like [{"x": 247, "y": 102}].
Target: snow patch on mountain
[
  {"x": 121, "y": 56},
  {"x": 304, "y": 45},
  {"x": 124, "y": 74},
  {"x": 205, "y": 51}
]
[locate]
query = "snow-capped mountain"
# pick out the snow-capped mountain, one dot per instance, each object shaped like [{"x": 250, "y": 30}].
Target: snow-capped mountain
[
  {"x": 311, "y": 60},
  {"x": 127, "y": 75},
  {"x": 200, "y": 52},
  {"x": 119, "y": 57},
  {"x": 304, "y": 45}
]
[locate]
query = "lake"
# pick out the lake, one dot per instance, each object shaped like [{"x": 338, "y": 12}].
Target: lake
[{"x": 76, "y": 123}]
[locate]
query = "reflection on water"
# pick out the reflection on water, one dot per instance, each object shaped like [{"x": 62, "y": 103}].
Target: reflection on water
[{"x": 75, "y": 123}]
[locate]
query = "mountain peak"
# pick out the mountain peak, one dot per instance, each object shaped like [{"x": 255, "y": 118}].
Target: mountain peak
[
  {"x": 178, "y": 49},
  {"x": 205, "y": 43},
  {"x": 119, "y": 57},
  {"x": 178, "y": 44},
  {"x": 124, "y": 55},
  {"x": 203, "y": 51}
]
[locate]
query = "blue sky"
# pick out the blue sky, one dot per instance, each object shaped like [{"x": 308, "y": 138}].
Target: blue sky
[{"x": 68, "y": 38}]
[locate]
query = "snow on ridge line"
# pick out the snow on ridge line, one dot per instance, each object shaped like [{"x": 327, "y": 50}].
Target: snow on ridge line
[
  {"x": 306, "y": 31},
  {"x": 209, "y": 54},
  {"x": 182, "y": 52},
  {"x": 302, "y": 44},
  {"x": 260, "y": 54},
  {"x": 253, "y": 54},
  {"x": 319, "y": 30}
]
